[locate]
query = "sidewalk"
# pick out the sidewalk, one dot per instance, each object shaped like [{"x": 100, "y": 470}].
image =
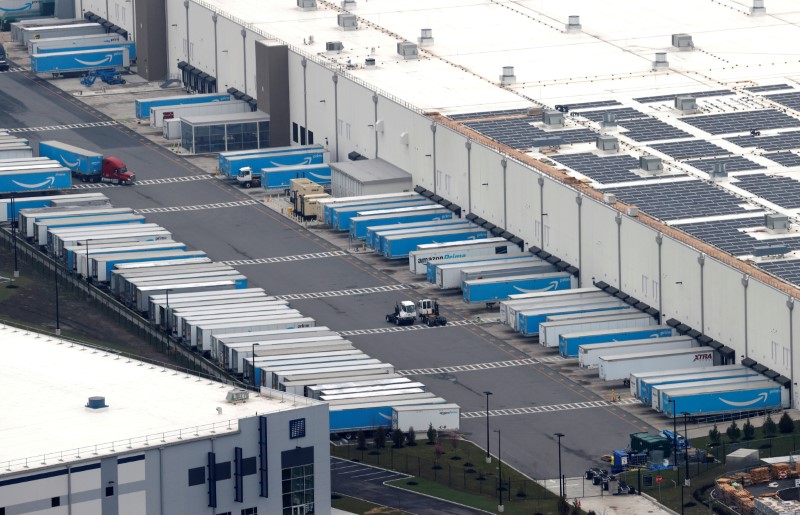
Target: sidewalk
[{"x": 590, "y": 499}]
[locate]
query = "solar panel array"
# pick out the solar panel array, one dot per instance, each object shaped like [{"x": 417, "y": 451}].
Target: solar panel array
[
  {"x": 650, "y": 129},
  {"x": 786, "y": 270},
  {"x": 690, "y": 149},
  {"x": 784, "y": 158},
  {"x": 676, "y": 200},
  {"x": 725, "y": 235},
  {"x": 605, "y": 170},
  {"x": 781, "y": 141},
  {"x": 488, "y": 114},
  {"x": 772, "y": 87},
  {"x": 791, "y": 99},
  {"x": 732, "y": 164},
  {"x": 519, "y": 133},
  {"x": 622, "y": 113},
  {"x": 589, "y": 105},
  {"x": 777, "y": 189},
  {"x": 729, "y": 123},
  {"x": 697, "y": 94}
]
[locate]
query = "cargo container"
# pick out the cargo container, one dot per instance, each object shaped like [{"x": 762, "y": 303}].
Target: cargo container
[
  {"x": 348, "y": 419},
  {"x": 224, "y": 158},
  {"x": 204, "y": 333},
  {"x": 438, "y": 225},
  {"x": 100, "y": 267},
  {"x": 384, "y": 198},
  {"x": 458, "y": 251},
  {"x": 29, "y": 33},
  {"x": 551, "y": 330},
  {"x": 371, "y": 239},
  {"x": 569, "y": 343},
  {"x": 359, "y": 224},
  {"x": 659, "y": 393},
  {"x": 510, "y": 310},
  {"x": 77, "y": 61},
  {"x": 27, "y": 217},
  {"x": 143, "y": 294},
  {"x": 41, "y": 227},
  {"x": 36, "y": 46},
  {"x": 321, "y": 377},
  {"x": 238, "y": 354},
  {"x": 623, "y": 365},
  {"x": 492, "y": 290},
  {"x": 637, "y": 378},
  {"x": 396, "y": 247},
  {"x": 231, "y": 165},
  {"x": 432, "y": 266},
  {"x": 589, "y": 356},
  {"x": 448, "y": 275},
  {"x": 314, "y": 391},
  {"x": 29, "y": 179},
  {"x": 529, "y": 320},
  {"x": 268, "y": 371},
  {"x": 161, "y": 114},
  {"x": 341, "y": 215},
  {"x": 143, "y": 105},
  {"x": 737, "y": 398},
  {"x": 443, "y": 417},
  {"x": 158, "y": 303},
  {"x": 75, "y": 256}
]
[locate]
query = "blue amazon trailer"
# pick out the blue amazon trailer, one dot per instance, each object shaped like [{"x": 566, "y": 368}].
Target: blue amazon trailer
[
  {"x": 144, "y": 105},
  {"x": 36, "y": 46},
  {"x": 280, "y": 178},
  {"x": 35, "y": 180},
  {"x": 528, "y": 320},
  {"x": 81, "y": 61},
  {"x": 368, "y": 416},
  {"x": 499, "y": 288},
  {"x": 384, "y": 198},
  {"x": 659, "y": 392},
  {"x": 341, "y": 215},
  {"x": 372, "y": 238},
  {"x": 39, "y": 202},
  {"x": 569, "y": 344},
  {"x": 359, "y": 224},
  {"x": 642, "y": 382},
  {"x": 737, "y": 398},
  {"x": 130, "y": 45},
  {"x": 398, "y": 246},
  {"x": 225, "y": 156},
  {"x": 440, "y": 225},
  {"x": 230, "y": 165}
]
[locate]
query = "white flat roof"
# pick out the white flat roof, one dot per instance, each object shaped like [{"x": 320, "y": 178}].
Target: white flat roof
[{"x": 45, "y": 413}]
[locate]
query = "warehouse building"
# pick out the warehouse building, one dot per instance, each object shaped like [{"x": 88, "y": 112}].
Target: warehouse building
[
  {"x": 104, "y": 434},
  {"x": 655, "y": 151}
]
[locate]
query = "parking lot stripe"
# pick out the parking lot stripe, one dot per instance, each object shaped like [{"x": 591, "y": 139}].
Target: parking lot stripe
[
  {"x": 284, "y": 259},
  {"x": 547, "y": 409},
  {"x": 145, "y": 182},
  {"x": 174, "y": 209},
  {"x": 468, "y": 368},
  {"x": 62, "y": 127},
  {"x": 341, "y": 293}
]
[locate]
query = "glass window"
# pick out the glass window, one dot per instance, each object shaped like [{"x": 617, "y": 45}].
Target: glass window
[
  {"x": 263, "y": 134},
  {"x": 249, "y": 135},
  {"x": 302, "y": 135},
  {"x": 297, "y": 428},
  {"x": 310, "y": 137},
  {"x": 187, "y": 137},
  {"x": 298, "y": 489},
  {"x": 294, "y": 132},
  {"x": 216, "y": 141}
]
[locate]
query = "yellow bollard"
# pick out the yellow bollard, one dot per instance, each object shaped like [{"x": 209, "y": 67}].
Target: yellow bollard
[{"x": 613, "y": 398}]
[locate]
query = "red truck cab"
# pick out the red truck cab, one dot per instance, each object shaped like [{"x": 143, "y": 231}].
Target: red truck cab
[{"x": 114, "y": 170}]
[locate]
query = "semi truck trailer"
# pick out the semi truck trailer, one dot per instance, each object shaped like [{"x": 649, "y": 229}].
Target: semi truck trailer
[{"x": 86, "y": 165}]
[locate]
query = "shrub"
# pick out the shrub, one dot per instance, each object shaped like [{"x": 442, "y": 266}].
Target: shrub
[
  {"x": 714, "y": 435},
  {"x": 733, "y": 432},
  {"x": 770, "y": 427},
  {"x": 786, "y": 424},
  {"x": 361, "y": 439},
  {"x": 431, "y": 434},
  {"x": 748, "y": 430},
  {"x": 411, "y": 437},
  {"x": 398, "y": 437},
  {"x": 380, "y": 438}
]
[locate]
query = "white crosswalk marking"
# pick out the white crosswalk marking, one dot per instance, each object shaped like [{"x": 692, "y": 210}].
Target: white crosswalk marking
[
  {"x": 145, "y": 182},
  {"x": 468, "y": 368},
  {"x": 173, "y": 209},
  {"x": 402, "y": 328},
  {"x": 14, "y": 69},
  {"x": 345, "y": 293},
  {"x": 528, "y": 410},
  {"x": 62, "y": 127},
  {"x": 284, "y": 259}
]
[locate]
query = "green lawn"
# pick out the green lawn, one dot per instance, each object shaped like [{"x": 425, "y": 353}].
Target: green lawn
[{"x": 361, "y": 507}]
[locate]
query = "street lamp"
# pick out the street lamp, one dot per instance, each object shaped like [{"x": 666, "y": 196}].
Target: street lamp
[
  {"x": 560, "y": 481},
  {"x": 675, "y": 447},
  {"x": 500, "y": 506},
  {"x": 488, "y": 456},
  {"x": 685, "y": 450},
  {"x": 166, "y": 313},
  {"x": 55, "y": 279},
  {"x": 14, "y": 222},
  {"x": 254, "y": 364}
]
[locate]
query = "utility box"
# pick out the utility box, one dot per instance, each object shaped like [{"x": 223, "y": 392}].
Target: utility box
[
  {"x": 651, "y": 164},
  {"x": 574, "y": 24},
  {"x": 686, "y": 104},
  {"x": 347, "y": 21},
  {"x": 407, "y": 50},
  {"x": 777, "y": 223},
  {"x": 426, "y": 37},
  {"x": 661, "y": 61},
  {"x": 741, "y": 459},
  {"x": 307, "y": 4},
  {"x": 719, "y": 170},
  {"x": 607, "y": 144},
  {"x": 682, "y": 41},
  {"x": 609, "y": 121},
  {"x": 770, "y": 249},
  {"x": 553, "y": 118},
  {"x": 334, "y": 46}
]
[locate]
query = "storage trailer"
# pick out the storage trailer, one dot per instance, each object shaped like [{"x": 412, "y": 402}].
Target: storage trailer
[
  {"x": 28, "y": 217},
  {"x": 268, "y": 370},
  {"x": 456, "y": 251},
  {"x": 204, "y": 333},
  {"x": 122, "y": 280},
  {"x": 74, "y": 256},
  {"x": 529, "y": 320},
  {"x": 448, "y": 275},
  {"x": 328, "y": 205},
  {"x": 341, "y": 215},
  {"x": 569, "y": 343},
  {"x": 509, "y": 308},
  {"x": 490, "y": 291},
  {"x": 59, "y": 239},
  {"x": 76, "y": 61},
  {"x": 29, "y": 179},
  {"x": 143, "y": 105},
  {"x": 637, "y": 378},
  {"x": 238, "y": 354},
  {"x": 550, "y": 331},
  {"x": 379, "y": 237},
  {"x": 157, "y": 303},
  {"x": 646, "y": 384},
  {"x": 659, "y": 393},
  {"x": 184, "y": 323},
  {"x": 316, "y": 376},
  {"x": 348, "y": 419},
  {"x": 359, "y": 224},
  {"x": 100, "y": 267},
  {"x": 36, "y": 46},
  {"x": 46, "y": 201},
  {"x": 443, "y": 417},
  {"x": 372, "y": 237},
  {"x": 398, "y": 246},
  {"x": 589, "y": 356},
  {"x": 230, "y": 163},
  {"x": 623, "y": 365},
  {"x": 29, "y": 33},
  {"x": 232, "y": 353},
  {"x": 737, "y": 398},
  {"x": 143, "y": 294},
  {"x": 190, "y": 329},
  {"x": 314, "y": 391},
  {"x": 42, "y": 227}
]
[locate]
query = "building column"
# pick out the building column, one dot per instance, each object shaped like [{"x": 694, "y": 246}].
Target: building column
[
  {"x": 468, "y": 145},
  {"x": 659, "y": 242},
  {"x": 433, "y": 152},
  {"x": 244, "y": 57},
  {"x": 335, "y": 80},
  {"x": 579, "y": 202}
]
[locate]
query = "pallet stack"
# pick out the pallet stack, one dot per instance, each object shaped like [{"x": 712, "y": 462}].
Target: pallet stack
[
  {"x": 760, "y": 475},
  {"x": 775, "y": 506},
  {"x": 781, "y": 471}
]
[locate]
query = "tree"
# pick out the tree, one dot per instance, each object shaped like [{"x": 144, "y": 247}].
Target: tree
[
  {"x": 733, "y": 432},
  {"x": 361, "y": 438},
  {"x": 714, "y": 435},
  {"x": 411, "y": 437},
  {"x": 786, "y": 424},
  {"x": 379, "y": 438},
  {"x": 770, "y": 427},
  {"x": 398, "y": 437},
  {"x": 431, "y": 434},
  {"x": 748, "y": 430}
]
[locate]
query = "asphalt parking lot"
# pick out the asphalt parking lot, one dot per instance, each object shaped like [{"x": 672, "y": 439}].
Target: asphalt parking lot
[{"x": 246, "y": 230}]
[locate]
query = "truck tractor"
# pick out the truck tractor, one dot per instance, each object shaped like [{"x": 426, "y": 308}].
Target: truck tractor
[
  {"x": 404, "y": 313},
  {"x": 428, "y": 312},
  {"x": 86, "y": 165},
  {"x": 248, "y": 178}
]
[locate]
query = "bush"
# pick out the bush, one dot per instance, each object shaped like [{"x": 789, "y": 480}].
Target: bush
[
  {"x": 748, "y": 430},
  {"x": 361, "y": 439},
  {"x": 770, "y": 427},
  {"x": 411, "y": 437},
  {"x": 431, "y": 434},
  {"x": 398, "y": 437},
  {"x": 380, "y": 438},
  {"x": 733, "y": 432},
  {"x": 714, "y": 435},
  {"x": 786, "y": 424}
]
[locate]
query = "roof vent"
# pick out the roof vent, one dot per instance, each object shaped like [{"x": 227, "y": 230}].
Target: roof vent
[
  {"x": 426, "y": 38},
  {"x": 609, "y": 198},
  {"x": 651, "y": 164},
  {"x": 682, "y": 41},
  {"x": 574, "y": 24},
  {"x": 369, "y": 62},
  {"x": 96, "y": 403},
  {"x": 348, "y": 4},
  {"x": 758, "y": 7},
  {"x": 632, "y": 211},
  {"x": 347, "y": 21},
  {"x": 607, "y": 144},
  {"x": 776, "y": 223},
  {"x": 307, "y": 4},
  {"x": 661, "y": 61},
  {"x": 508, "y": 76},
  {"x": 609, "y": 120},
  {"x": 686, "y": 104},
  {"x": 718, "y": 170},
  {"x": 407, "y": 49},
  {"x": 334, "y": 46},
  {"x": 553, "y": 118},
  {"x": 237, "y": 395}
]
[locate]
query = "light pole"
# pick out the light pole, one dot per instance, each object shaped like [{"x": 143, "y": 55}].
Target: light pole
[
  {"x": 500, "y": 506},
  {"x": 14, "y": 221},
  {"x": 254, "y": 365},
  {"x": 488, "y": 456},
  {"x": 675, "y": 447},
  {"x": 560, "y": 481},
  {"x": 685, "y": 450},
  {"x": 55, "y": 279},
  {"x": 166, "y": 314},
  {"x": 88, "y": 267}
]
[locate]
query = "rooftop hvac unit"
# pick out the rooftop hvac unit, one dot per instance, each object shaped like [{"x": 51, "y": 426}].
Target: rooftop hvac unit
[
  {"x": 632, "y": 211},
  {"x": 407, "y": 50},
  {"x": 609, "y": 198},
  {"x": 574, "y": 24},
  {"x": 682, "y": 41},
  {"x": 237, "y": 395},
  {"x": 607, "y": 143},
  {"x": 426, "y": 38},
  {"x": 770, "y": 249},
  {"x": 96, "y": 403},
  {"x": 348, "y": 4},
  {"x": 776, "y": 223},
  {"x": 719, "y": 170},
  {"x": 307, "y": 4},
  {"x": 553, "y": 118},
  {"x": 334, "y": 46},
  {"x": 347, "y": 21},
  {"x": 661, "y": 61},
  {"x": 650, "y": 164},
  {"x": 686, "y": 104},
  {"x": 609, "y": 120},
  {"x": 369, "y": 62},
  {"x": 758, "y": 7},
  {"x": 508, "y": 76}
]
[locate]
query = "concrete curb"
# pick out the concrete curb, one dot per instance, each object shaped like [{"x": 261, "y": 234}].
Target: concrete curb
[{"x": 434, "y": 497}]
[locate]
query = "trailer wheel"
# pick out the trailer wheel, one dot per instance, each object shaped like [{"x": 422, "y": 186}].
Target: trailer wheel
[{"x": 248, "y": 185}]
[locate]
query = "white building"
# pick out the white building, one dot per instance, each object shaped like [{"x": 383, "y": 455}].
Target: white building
[
  {"x": 165, "y": 442},
  {"x": 350, "y": 75}
]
